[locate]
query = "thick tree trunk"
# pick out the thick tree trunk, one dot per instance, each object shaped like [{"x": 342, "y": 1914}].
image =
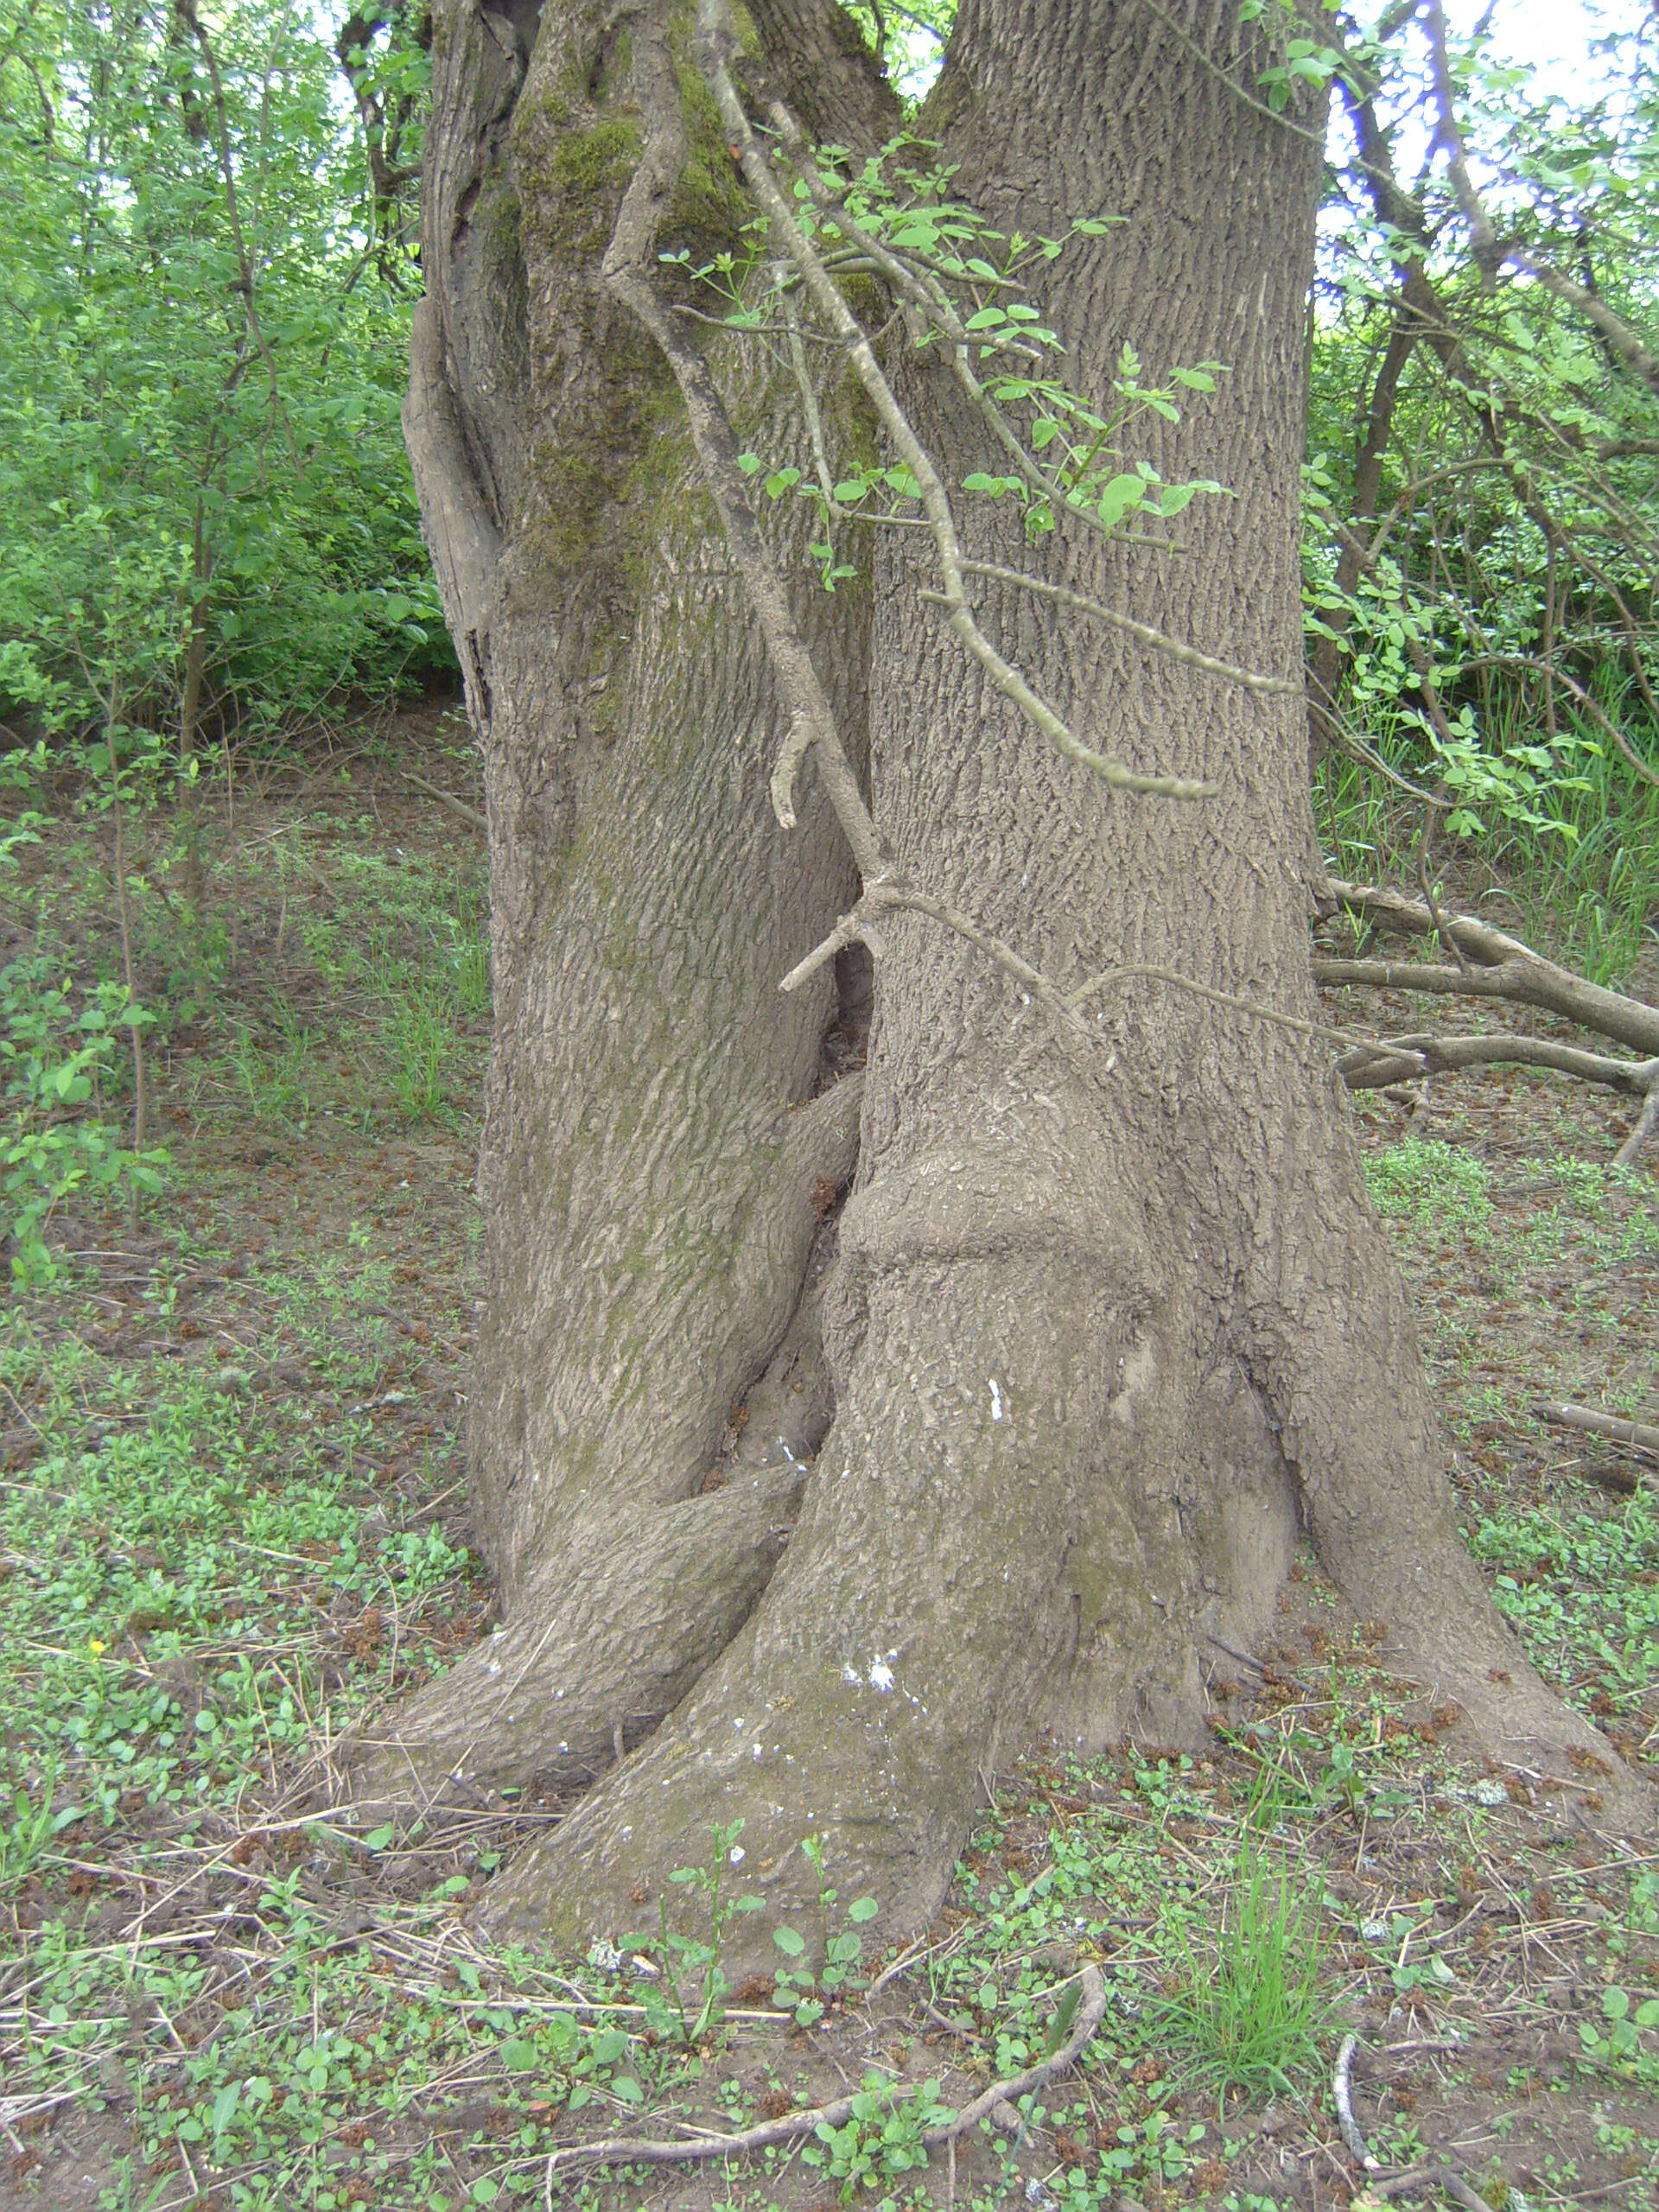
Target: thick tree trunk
[{"x": 1101, "y": 1327}]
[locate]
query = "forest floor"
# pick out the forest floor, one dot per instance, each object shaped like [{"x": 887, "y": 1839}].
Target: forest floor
[{"x": 231, "y": 1517}]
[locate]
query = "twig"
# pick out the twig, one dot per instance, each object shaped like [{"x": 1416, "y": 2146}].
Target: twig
[
  {"x": 1281, "y": 686},
  {"x": 717, "y": 41},
  {"x": 1639, "y": 1435},
  {"x": 649, "y": 2150},
  {"x": 1342, "y": 2090}
]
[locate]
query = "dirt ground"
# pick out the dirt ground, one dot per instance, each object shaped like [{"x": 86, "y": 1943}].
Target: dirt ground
[{"x": 273, "y": 1352}]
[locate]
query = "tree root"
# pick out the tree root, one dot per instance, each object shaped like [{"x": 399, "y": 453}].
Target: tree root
[
  {"x": 1441, "y": 2173},
  {"x": 649, "y": 2150}
]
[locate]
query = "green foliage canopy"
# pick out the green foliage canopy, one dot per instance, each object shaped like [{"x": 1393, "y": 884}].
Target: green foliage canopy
[{"x": 206, "y": 513}]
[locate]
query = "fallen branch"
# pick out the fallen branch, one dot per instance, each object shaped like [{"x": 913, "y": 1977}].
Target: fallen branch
[
  {"x": 1405, "y": 1060},
  {"x": 1533, "y": 982},
  {"x": 1636, "y": 1435},
  {"x": 456, "y": 807},
  {"x": 649, "y": 2150}
]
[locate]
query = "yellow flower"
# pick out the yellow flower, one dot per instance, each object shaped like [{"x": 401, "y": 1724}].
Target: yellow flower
[{"x": 97, "y": 1648}]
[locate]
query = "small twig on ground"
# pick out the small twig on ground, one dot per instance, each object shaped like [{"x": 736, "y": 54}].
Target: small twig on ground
[
  {"x": 648, "y": 2151},
  {"x": 1342, "y": 2090}
]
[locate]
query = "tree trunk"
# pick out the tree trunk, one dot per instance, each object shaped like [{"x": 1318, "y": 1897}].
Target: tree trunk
[{"x": 1034, "y": 1422}]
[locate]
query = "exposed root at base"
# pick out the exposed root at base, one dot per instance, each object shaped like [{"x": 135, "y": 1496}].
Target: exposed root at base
[{"x": 649, "y": 2150}]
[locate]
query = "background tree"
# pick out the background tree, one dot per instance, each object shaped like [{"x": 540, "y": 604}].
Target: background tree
[
  {"x": 198, "y": 369},
  {"x": 1039, "y": 1411}
]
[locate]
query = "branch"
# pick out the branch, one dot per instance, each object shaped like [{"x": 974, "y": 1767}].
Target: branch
[
  {"x": 1404, "y": 1059},
  {"x": 1283, "y": 687},
  {"x": 1640, "y": 1435},
  {"x": 1646, "y": 1122},
  {"x": 716, "y": 42},
  {"x": 812, "y": 721},
  {"x": 1490, "y": 252},
  {"x": 244, "y": 266},
  {"x": 1520, "y": 982},
  {"x": 458, "y": 807},
  {"x": 1514, "y": 970},
  {"x": 648, "y": 2151}
]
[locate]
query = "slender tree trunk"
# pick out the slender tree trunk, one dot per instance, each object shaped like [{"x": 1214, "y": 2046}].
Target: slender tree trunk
[{"x": 1034, "y": 1421}]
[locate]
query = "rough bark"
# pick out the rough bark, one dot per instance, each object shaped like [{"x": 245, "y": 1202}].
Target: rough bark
[{"x": 1101, "y": 1326}]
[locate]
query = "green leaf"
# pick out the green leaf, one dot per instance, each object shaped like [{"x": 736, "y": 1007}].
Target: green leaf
[
  {"x": 790, "y": 1944},
  {"x": 863, "y": 1908},
  {"x": 625, "y": 2086},
  {"x": 519, "y": 2055},
  {"x": 987, "y": 319},
  {"x": 1120, "y": 496}
]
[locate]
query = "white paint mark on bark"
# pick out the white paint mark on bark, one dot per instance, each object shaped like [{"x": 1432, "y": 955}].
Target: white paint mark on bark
[
  {"x": 996, "y": 1401},
  {"x": 881, "y": 1675}
]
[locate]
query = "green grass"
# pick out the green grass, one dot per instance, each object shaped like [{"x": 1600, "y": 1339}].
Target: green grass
[{"x": 1250, "y": 2010}]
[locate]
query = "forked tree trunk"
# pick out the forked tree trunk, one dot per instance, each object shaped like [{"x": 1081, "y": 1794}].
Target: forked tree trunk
[{"x": 1034, "y": 1421}]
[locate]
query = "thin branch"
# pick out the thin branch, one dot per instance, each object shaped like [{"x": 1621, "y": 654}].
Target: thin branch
[
  {"x": 1375, "y": 1066},
  {"x": 1490, "y": 252},
  {"x": 1646, "y": 1122},
  {"x": 717, "y": 42},
  {"x": 648, "y": 2151},
  {"x": 1584, "y": 699},
  {"x": 812, "y": 721},
  {"x": 1281, "y": 686},
  {"x": 1342, "y": 2095},
  {"x": 1249, "y": 99},
  {"x": 458, "y": 807}
]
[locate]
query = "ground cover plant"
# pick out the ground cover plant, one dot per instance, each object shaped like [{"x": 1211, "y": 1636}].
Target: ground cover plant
[{"x": 231, "y": 1523}]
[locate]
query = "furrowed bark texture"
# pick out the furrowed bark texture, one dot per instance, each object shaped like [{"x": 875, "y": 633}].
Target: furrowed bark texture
[{"x": 1101, "y": 1327}]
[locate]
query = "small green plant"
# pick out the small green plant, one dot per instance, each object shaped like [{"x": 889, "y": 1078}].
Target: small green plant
[
  {"x": 880, "y": 2140},
  {"x": 32, "y": 1827},
  {"x": 1250, "y": 2011},
  {"x": 1431, "y": 1183},
  {"x": 797, "y": 1989},
  {"x": 57, "y": 1065},
  {"x": 694, "y": 1982},
  {"x": 1617, "y": 2038}
]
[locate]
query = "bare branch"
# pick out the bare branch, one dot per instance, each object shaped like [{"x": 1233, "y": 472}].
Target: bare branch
[
  {"x": 1405, "y": 1060},
  {"x": 1646, "y": 1122},
  {"x": 1640, "y": 1435},
  {"x": 1281, "y": 686},
  {"x": 717, "y": 42}
]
